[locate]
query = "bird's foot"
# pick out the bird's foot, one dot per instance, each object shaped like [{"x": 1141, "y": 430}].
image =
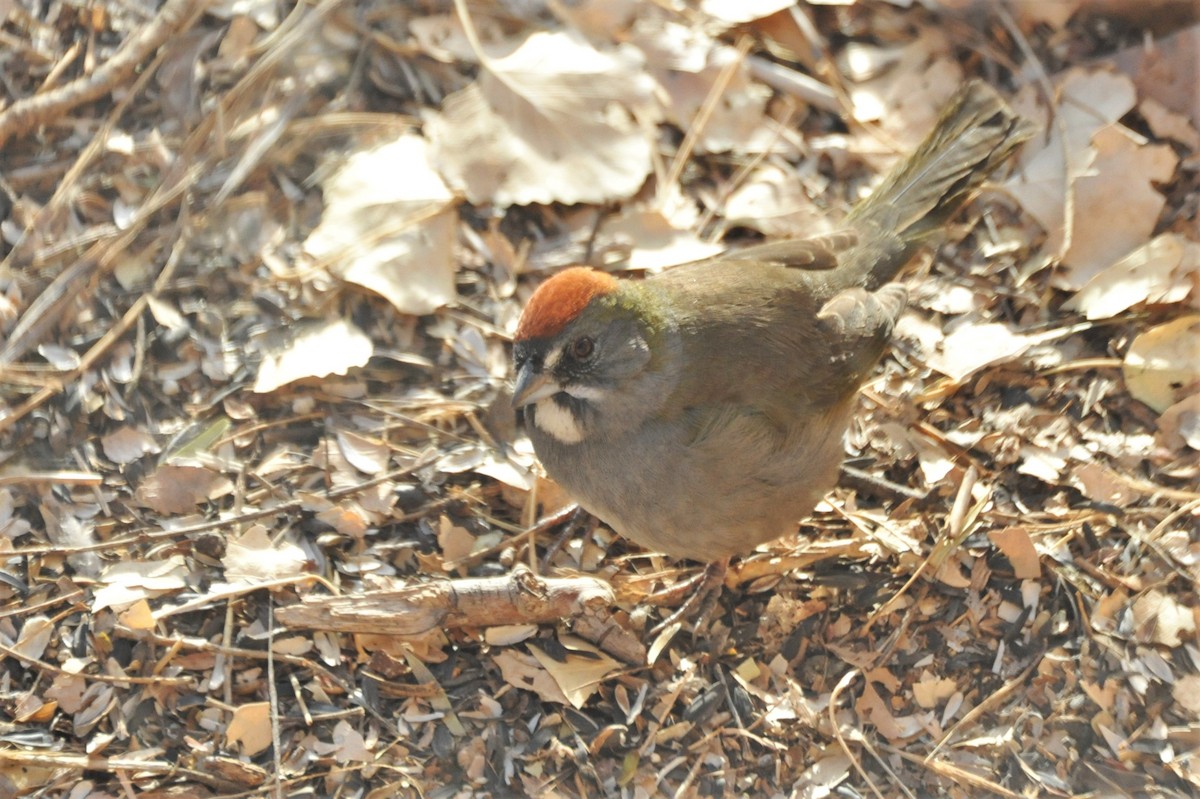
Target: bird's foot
[{"x": 702, "y": 592}]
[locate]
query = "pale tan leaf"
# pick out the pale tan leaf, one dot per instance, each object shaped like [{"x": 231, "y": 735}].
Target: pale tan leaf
[
  {"x": 971, "y": 347},
  {"x": 580, "y": 673},
  {"x": 250, "y": 726},
  {"x": 316, "y": 349},
  {"x": 1017, "y": 546},
  {"x": 1179, "y": 425},
  {"x": 1164, "y": 270},
  {"x": 929, "y": 691},
  {"x": 1116, "y": 203},
  {"x": 368, "y": 455},
  {"x": 35, "y": 637},
  {"x": 253, "y": 557},
  {"x": 687, "y": 62},
  {"x": 456, "y": 542},
  {"x": 1163, "y": 364},
  {"x": 735, "y": 12},
  {"x": 127, "y": 582},
  {"x": 525, "y": 672},
  {"x": 175, "y": 489},
  {"x": 126, "y": 444},
  {"x": 388, "y": 225},
  {"x": 1160, "y": 618},
  {"x": 549, "y": 122},
  {"x": 1088, "y": 100},
  {"x": 138, "y": 616},
  {"x": 1186, "y": 692}
]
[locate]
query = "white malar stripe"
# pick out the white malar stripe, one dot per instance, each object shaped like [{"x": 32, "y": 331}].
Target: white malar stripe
[
  {"x": 587, "y": 393},
  {"x": 557, "y": 421}
]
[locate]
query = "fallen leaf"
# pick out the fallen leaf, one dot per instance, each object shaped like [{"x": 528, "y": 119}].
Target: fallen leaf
[
  {"x": 1162, "y": 365},
  {"x": 1159, "y": 618},
  {"x": 314, "y": 349},
  {"x": 1088, "y": 100},
  {"x": 1018, "y": 547},
  {"x": 1116, "y": 203},
  {"x": 929, "y": 691},
  {"x": 549, "y": 122},
  {"x": 175, "y": 489},
  {"x": 1164, "y": 270},
  {"x": 525, "y": 672},
  {"x": 253, "y": 557},
  {"x": 971, "y": 347},
  {"x": 393, "y": 236},
  {"x": 126, "y": 444},
  {"x": 250, "y": 726},
  {"x": 580, "y": 673}
]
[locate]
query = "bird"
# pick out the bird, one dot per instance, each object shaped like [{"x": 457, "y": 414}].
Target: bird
[{"x": 700, "y": 412}]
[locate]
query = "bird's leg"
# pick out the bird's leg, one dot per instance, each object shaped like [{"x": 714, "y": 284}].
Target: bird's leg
[
  {"x": 575, "y": 518},
  {"x": 703, "y": 591}
]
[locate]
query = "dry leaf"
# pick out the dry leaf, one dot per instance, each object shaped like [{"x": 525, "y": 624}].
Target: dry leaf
[
  {"x": 1161, "y": 619},
  {"x": 971, "y": 347},
  {"x": 735, "y": 12},
  {"x": 654, "y": 239},
  {"x": 1164, "y": 270},
  {"x": 1116, "y": 203},
  {"x": 138, "y": 616},
  {"x": 525, "y": 672},
  {"x": 1096, "y": 481},
  {"x": 578, "y": 675},
  {"x": 250, "y": 726},
  {"x": 388, "y": 226},
  {"x": 456, "y": 542},
  {"x": 1179, "y": 426},
  {"x": 174, "y": 489},
  {"x": 1018, "y": 547},
  {"x": 549, "y": 122},
  {"x": 35, "y": 637},
  {"x": 126, "y": 444},
  {"x": 1088, "y": 100},
  {"x": 368, "y": 455},
  {"x": 253, "y": 557},
  {"x": 1186, "y": 692},
  {"x": 819, "y": 780},
  {"x": 127, "y": 582},
  {"x": 315, "y": 349},
  {"x": 1163, "y": 364},
  {"x": 687, "y": 62},
  {"x": 929, "y": 691}
]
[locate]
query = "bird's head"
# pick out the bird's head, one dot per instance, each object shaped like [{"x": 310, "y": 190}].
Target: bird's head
[{"x": 585, "y": 355}]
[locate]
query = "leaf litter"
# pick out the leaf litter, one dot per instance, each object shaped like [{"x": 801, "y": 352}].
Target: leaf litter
[{"x": 254, "y": 320}]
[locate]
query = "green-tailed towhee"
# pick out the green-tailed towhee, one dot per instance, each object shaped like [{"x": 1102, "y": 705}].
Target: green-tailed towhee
[{"x": 700, "y": 412}]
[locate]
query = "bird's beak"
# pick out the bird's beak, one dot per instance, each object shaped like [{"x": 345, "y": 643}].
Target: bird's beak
[{"x": 532, "y": 386}]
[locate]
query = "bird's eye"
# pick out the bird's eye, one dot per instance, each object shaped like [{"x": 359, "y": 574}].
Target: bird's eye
[{"x": 582, "y": 348}]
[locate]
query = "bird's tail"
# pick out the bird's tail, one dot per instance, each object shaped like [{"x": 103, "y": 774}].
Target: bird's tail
[{"x": 975, "y": 134}]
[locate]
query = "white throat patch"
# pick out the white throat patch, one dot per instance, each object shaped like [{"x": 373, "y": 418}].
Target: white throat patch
[{"x": 558, "y": 422}]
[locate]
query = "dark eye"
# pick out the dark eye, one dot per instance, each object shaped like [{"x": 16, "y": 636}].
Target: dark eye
[{"x": 582, "y": 348}]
